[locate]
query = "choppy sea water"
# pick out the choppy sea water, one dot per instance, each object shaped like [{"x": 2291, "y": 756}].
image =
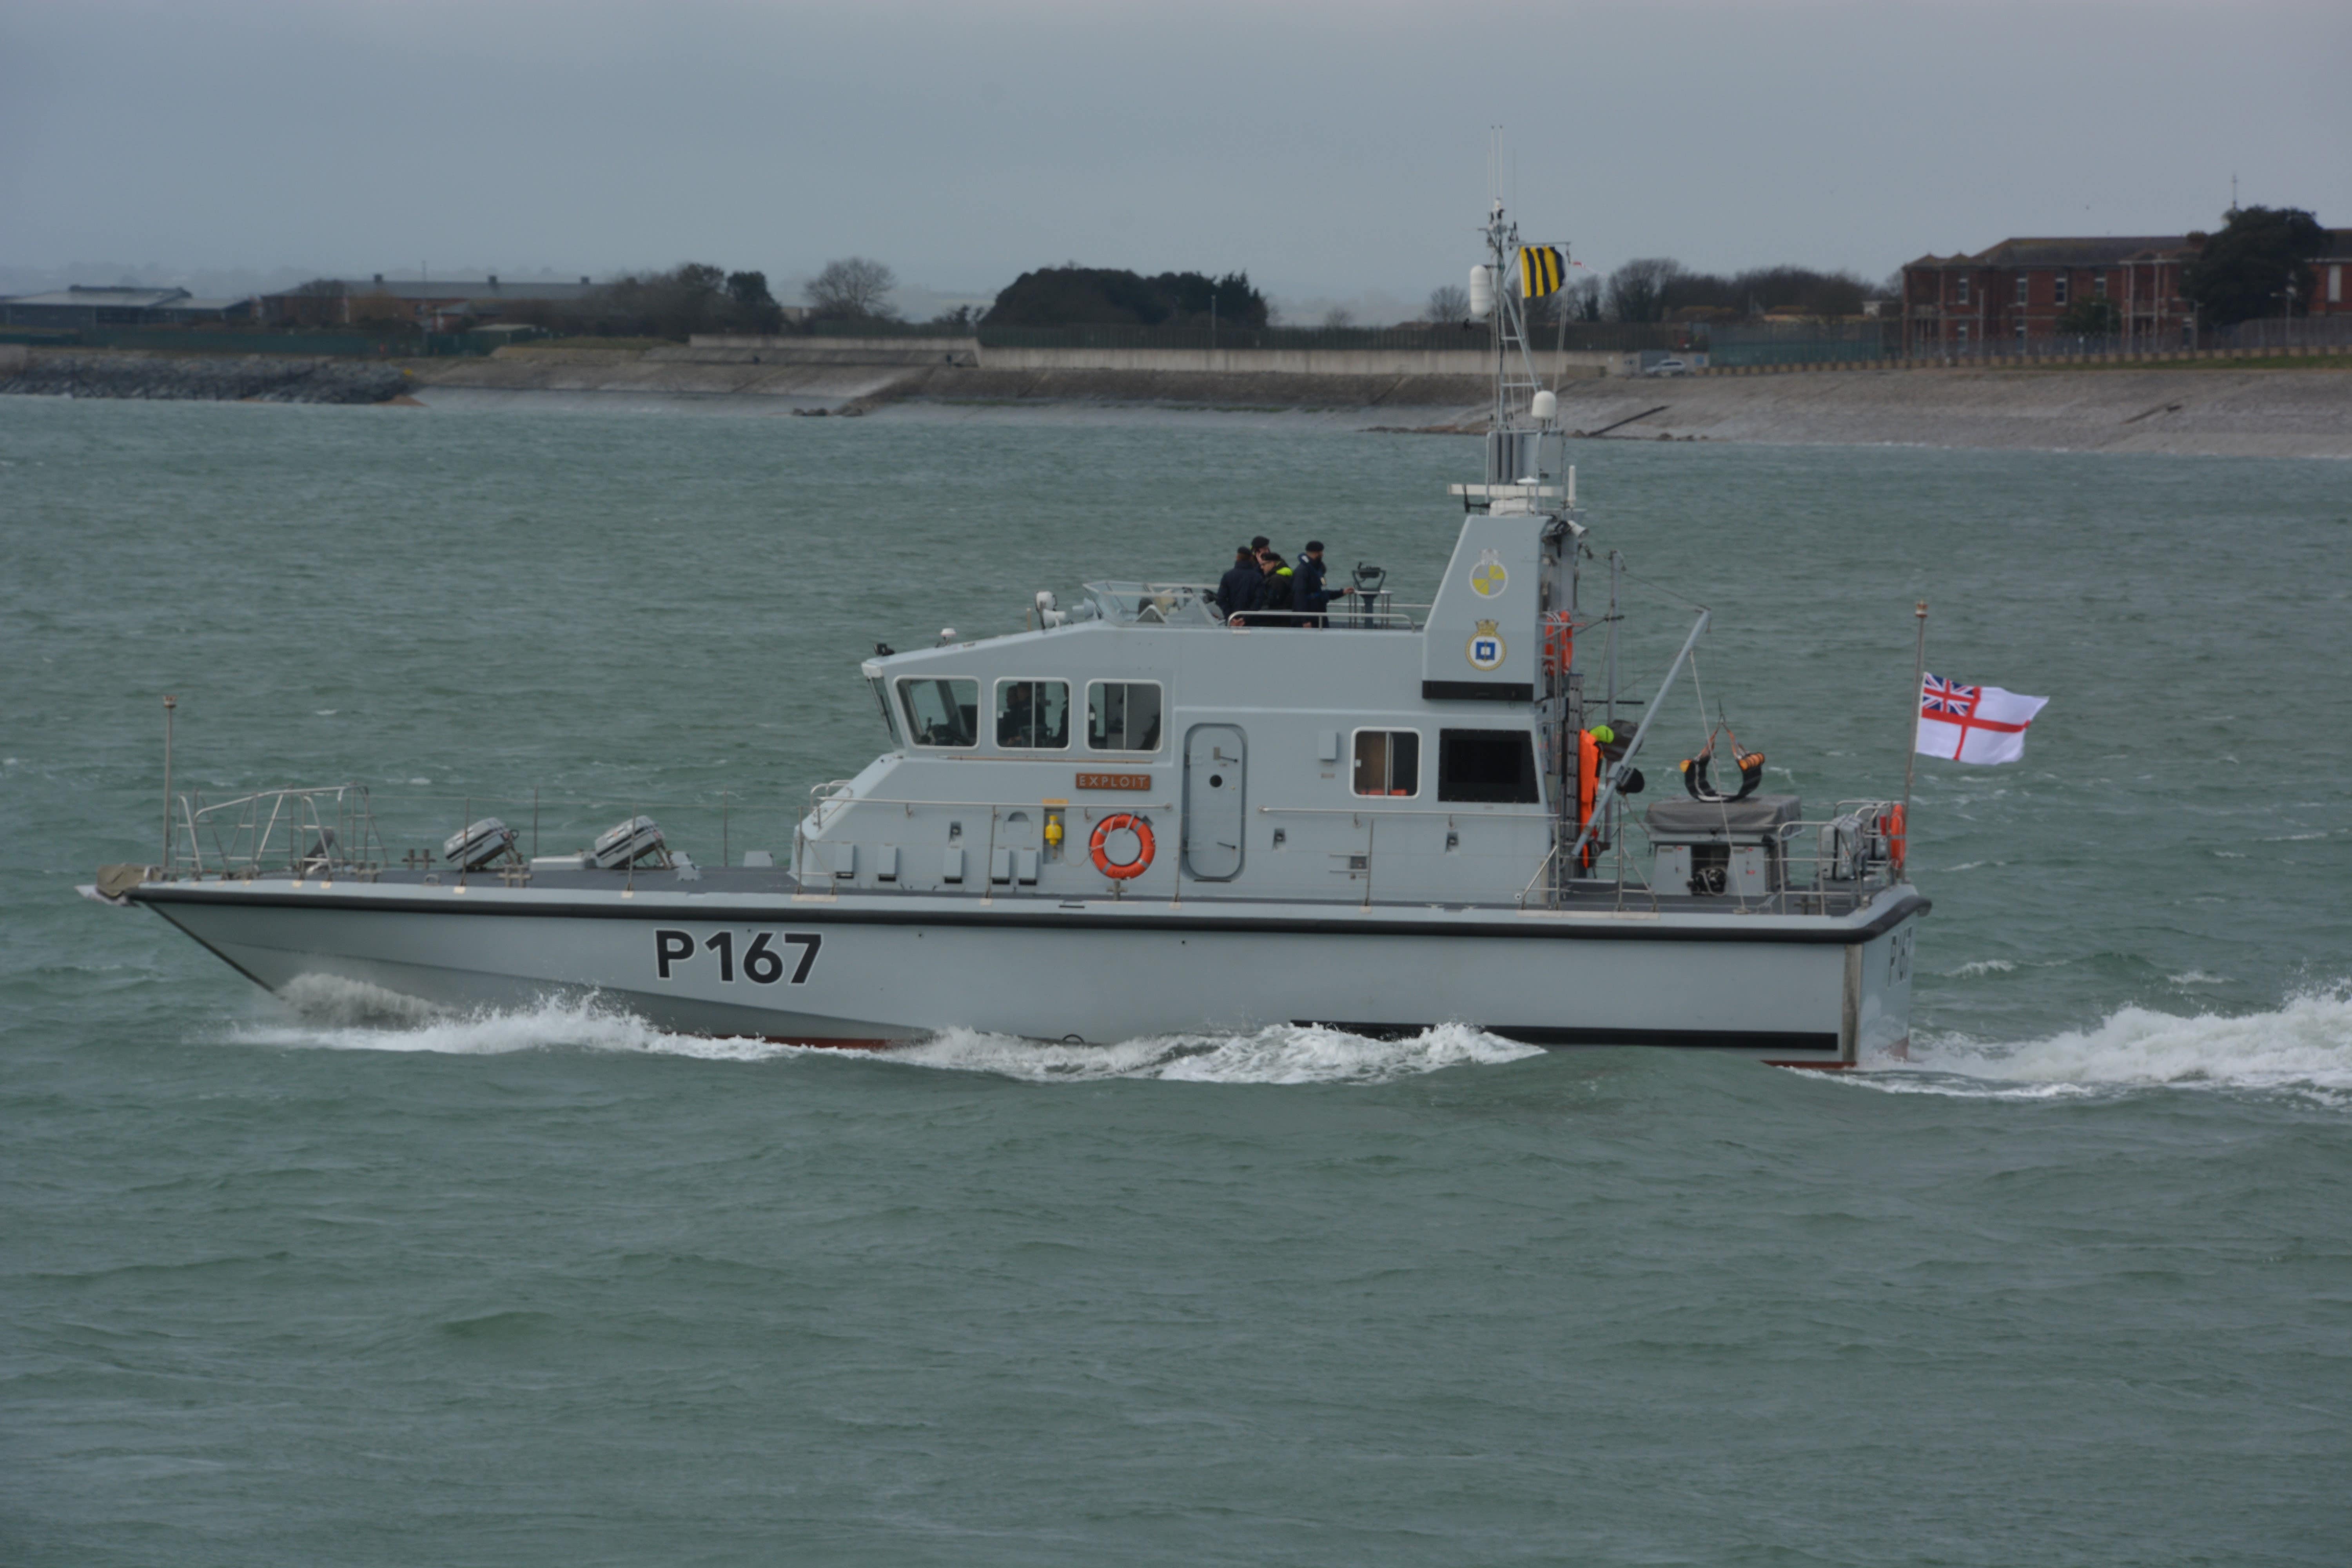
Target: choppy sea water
[{"x": 335, "y": 1280}]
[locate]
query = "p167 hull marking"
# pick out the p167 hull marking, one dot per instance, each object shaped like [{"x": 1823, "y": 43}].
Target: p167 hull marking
[{"x": 761, "y": 966}]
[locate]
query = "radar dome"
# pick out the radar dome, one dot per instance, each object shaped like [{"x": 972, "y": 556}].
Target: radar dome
[{"x": 1482, "y": 293}]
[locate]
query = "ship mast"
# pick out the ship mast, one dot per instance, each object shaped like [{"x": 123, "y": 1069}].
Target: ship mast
[{"x": 1524, "y": 419}]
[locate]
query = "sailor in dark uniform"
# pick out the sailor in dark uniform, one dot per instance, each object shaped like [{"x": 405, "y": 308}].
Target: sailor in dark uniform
[{"x": 1238, "y": 586}]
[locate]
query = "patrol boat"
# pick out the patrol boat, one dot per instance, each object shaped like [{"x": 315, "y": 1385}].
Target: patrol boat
[{"x": 1101, "y": 829}]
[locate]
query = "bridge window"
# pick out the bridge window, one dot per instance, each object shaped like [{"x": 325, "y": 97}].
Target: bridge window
[
  {"x": 941, "y": 712},
  {"x": 1032, "y": 715},
  {"x": 1493, "y": 766},
  {"x": 1123, "y": 716},
  {"x": 1388, "y": 761}
]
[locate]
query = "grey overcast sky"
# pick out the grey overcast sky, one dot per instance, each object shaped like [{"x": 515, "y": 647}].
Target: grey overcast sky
[{"x": 1331, "y": 150}]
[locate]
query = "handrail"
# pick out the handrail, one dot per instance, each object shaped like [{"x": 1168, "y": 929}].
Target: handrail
[
  {"x": 312, "y": 840},
  {"x": 1337, "y": 617},
  {"x": 1022, "y": 804},
  {"x": 1550, "y": 855},
  {"x": 1456, "y": 809}
]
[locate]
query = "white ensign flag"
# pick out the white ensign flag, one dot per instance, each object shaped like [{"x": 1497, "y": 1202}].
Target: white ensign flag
[{"x": 1973, "y": 723}]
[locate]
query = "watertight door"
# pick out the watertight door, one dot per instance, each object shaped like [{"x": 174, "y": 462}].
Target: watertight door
[{"x": 1212, "y": 801}]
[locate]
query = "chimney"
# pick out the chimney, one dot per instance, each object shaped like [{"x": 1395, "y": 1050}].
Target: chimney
[
  {"x": 583, "y": 280},
  {"x": 494, "y": 280},
  {"x": 379, "y": 280}
]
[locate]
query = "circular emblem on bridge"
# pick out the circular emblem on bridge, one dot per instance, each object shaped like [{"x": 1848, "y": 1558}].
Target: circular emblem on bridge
[
  {"x": 1487, "y": 650},
  {"x": 1489, "y": 577}
]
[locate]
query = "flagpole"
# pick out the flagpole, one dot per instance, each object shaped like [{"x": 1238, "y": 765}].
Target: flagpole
[{"x": 1918, "y": 678}]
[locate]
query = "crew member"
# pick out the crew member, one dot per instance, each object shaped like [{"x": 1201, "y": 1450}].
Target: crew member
[
  {"x": 1013, "y": 726},
  {"x": 1275, "y": 589},
  {"x": 1238, "y": 586},
  {"x": 1598, "y": 749},
  {"x": 1612, "y": 750},
  {"x": 1588, "y": 789},
  {"x": 1307, "y": 590}
]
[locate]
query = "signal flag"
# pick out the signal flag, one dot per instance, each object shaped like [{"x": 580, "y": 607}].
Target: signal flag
[{"x": 1540, "y": 271}]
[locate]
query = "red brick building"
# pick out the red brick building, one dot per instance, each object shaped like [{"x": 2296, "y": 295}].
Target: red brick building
[
  {"x": 2017, "y": 290},
  {"x": 2332, "y": 276}
]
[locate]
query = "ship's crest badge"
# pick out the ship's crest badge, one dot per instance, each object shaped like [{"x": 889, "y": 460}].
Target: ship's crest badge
[
  {"x": 1487, "y": 651},
  {"x": 1490, "y": 576}
]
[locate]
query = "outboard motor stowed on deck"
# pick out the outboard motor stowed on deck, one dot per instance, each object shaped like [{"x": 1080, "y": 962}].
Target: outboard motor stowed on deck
[
  {"x": 479, "y": 845},
  {"x": 627, "y": 843}
]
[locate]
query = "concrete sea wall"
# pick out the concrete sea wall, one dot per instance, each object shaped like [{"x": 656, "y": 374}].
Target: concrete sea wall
[
  {"x": 2211, "y": 408},
  {"x": 2206, "y": 408},
  {"x": 2213, "y": 412}
]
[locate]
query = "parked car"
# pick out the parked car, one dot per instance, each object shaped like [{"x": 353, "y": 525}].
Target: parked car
[{"x": 1669, "y": 367}]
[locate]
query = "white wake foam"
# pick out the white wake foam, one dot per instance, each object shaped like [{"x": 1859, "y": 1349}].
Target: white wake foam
[
  {"x": 351, "y": 1016},
  {"x": 1281, "y": 1055},
  {"x": 2305, "y": 1046},
  {"x": 342, "y": 1014}
]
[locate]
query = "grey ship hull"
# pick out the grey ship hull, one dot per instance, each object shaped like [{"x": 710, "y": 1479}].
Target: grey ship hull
[{"x": 868, "y": 970}]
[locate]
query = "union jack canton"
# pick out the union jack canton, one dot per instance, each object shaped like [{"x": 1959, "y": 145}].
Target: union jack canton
[{"x": 1938, "y": 695}]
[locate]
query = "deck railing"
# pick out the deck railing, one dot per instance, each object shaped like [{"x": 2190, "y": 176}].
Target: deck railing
[{"x": 1822, "y": 866}]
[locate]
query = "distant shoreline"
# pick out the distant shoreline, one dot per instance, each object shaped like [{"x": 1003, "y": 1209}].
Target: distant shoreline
[
  {"x": 2203, "y": 409},
  {"x": 2197, "y": 409}
]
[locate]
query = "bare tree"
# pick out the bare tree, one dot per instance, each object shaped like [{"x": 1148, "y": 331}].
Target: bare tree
[
  {"x": 856, "y": 288},
  {"x": 1339, "y": 316},
  {"x": 1637, "y": 290},
  {"x": 1584, "y": 297},
  {"x": 1447, "y": 302}
]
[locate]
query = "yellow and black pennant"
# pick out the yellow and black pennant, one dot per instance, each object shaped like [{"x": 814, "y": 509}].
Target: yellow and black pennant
[{"x": 1540, "y": 271}]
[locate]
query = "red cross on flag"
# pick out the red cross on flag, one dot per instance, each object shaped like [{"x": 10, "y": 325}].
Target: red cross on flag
[{"x": 1973, "y": 723}]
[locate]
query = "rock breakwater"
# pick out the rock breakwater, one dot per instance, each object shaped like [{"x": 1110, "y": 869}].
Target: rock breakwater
[{"x": 218, "y": 378}]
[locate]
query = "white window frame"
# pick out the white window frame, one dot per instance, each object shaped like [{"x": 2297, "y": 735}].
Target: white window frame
[
  {"x": 1081, "y": 719},
  {"x": 996, "y": 693},
  {"x": 908, "y": 720},
  {"x": 2098, "y": 286},
  {"x": 1964, "y": 289},
  {"x": 889, "y": 715},
  {"x": 1421, "y": 759},
  {"x": 2025, "y": 288},
  {"x": 2058, "y": 288}
]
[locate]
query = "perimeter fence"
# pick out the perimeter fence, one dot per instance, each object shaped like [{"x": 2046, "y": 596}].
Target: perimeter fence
[
  {"x": 1801, "y": 342},
  {"x": 1852, "y": 342},
  {"x": 209, "y": 341},
  {"x": 1611, "y": 337}
]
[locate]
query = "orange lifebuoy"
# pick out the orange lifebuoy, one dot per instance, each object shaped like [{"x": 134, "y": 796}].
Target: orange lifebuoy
[
  {"x": 1898, "y": 845},
  {"x": 1559, "y": 641},
  {"x": 1110, "y": 825}
]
